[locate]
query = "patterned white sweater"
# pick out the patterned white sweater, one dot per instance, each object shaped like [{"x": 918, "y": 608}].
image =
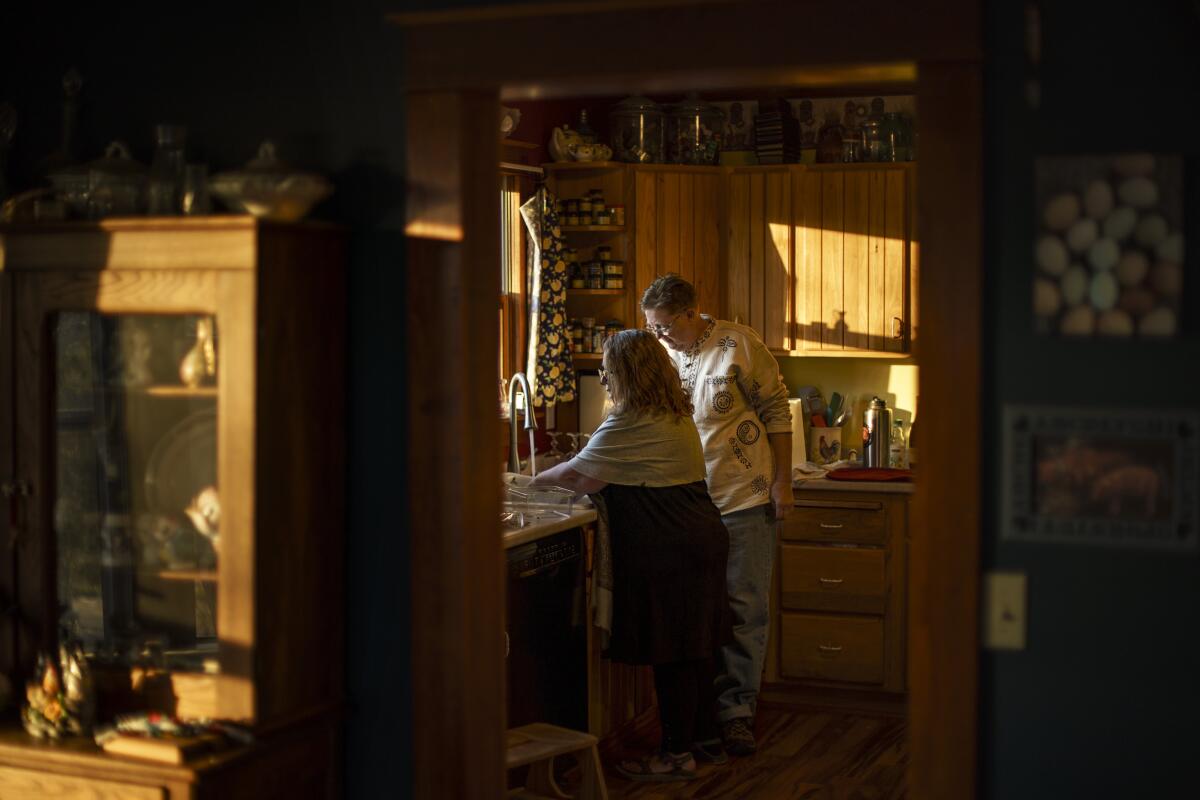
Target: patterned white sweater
[{"x": 739, "y": 397}]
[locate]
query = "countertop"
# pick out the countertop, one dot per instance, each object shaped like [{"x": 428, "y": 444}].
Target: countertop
[
  {"x": 514, "y": 536},
  {"x": 891, "y": 487}
]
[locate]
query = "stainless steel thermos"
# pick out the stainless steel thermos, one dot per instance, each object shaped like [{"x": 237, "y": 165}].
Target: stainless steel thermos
[{"x": 876, "y": 433}]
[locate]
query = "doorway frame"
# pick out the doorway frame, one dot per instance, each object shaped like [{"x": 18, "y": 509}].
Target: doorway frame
[{"x": 459, "y": 64}]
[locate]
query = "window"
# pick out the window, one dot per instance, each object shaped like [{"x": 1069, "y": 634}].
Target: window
[{"x": 512, "y": 278}]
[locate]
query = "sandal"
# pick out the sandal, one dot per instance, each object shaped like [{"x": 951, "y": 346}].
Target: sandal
[{"x": 642, "y": 769}]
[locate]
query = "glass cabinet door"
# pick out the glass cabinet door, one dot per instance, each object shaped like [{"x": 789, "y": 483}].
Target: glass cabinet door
[{"x": 135, "y": 501}]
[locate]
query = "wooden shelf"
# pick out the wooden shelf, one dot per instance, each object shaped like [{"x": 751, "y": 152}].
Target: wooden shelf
[
  {"x": 206, "y": 575},
  {"x": 595, "y": 292},
  {"x": 599, "y": 228},
  {"x": 587, "y": 360},
  {"x": 177, "y": 391},
  {"x": 558, "y": 166},
  {"x": 517, "y": 143}
]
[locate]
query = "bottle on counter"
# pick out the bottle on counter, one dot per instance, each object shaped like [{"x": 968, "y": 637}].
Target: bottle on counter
[{"x": 897, "y": 449}]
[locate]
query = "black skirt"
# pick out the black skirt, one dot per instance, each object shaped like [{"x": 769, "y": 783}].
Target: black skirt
[{"x": 669, "y": 551}]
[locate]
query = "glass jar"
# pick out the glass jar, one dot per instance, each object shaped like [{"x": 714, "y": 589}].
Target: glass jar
[
  {"x": 614, "y": 282},
  {"x": 894, "y": 141},
  {"x": 636, "y": 131},
  {"x": 165, "y": 188},
  {"x": 829, "y": 141},
  {"x": 615, "y": 268},
  {"x": 694, "y": 130},
  {"x": 588, "y": 326},
  {"x": 576, "y": 335},
  {"x": 604, "y": 252},
  {"x": 595, "y": 275},
  {"x": 871, "y": 134}
]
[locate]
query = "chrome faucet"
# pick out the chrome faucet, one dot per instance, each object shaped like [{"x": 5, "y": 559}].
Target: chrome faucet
[{"x": 514, "y": 461}]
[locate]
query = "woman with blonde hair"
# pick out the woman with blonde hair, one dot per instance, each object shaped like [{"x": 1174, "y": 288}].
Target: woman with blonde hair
[{"x": 645, "y": 466}]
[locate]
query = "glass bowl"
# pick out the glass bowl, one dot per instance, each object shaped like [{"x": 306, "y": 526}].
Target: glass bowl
[{"x": 269, "y": 189}]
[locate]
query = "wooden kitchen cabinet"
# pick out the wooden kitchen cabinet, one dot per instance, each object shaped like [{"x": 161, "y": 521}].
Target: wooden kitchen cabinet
[
  {"x": 840, "y": 591},
  {"x": 821, "y": 258},
  {"x": 173, "y": 472},
  {"x": 678, "y": 216}
]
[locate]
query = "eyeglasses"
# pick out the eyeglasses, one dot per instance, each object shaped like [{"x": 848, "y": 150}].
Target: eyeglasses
[
  {"x": 603, "y": 376},
  {"x": 661, "y": 330}
]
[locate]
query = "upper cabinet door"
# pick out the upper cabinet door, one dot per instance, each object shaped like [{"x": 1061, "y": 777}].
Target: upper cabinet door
[
  {"x": 853, "y": 260},
  {"x": 760, "y": 267},
  {"x": 678, "y": 230}
]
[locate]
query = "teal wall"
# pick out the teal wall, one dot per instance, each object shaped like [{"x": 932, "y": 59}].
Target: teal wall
[{"x": 1103, "y": 701}]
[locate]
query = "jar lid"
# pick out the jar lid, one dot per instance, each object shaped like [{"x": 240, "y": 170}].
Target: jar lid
[
  {"x": 637, "y": 104},
  {"x": 117, "y": 162},
  {"x": 691, "y": 105}
]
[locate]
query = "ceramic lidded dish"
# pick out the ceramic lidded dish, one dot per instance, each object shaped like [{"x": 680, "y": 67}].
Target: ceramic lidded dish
[{"x": 268, "y": 188}]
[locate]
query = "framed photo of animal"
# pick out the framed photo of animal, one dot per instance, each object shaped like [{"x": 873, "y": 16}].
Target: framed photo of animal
[{"x": 1102, "y": 477}]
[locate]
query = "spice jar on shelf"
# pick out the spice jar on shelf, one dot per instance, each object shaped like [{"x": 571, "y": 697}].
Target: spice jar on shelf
[
  {"x": 595, "y": 275},
  {"x": 614, "y": 274},
  {"x": 587, "y": 330},
  {"x": 636, "y": 131},
  {"x": 576, "y": 335}
]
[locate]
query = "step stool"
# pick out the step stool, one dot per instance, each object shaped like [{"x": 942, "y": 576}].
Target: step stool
[{"x": 538, "y": 745}]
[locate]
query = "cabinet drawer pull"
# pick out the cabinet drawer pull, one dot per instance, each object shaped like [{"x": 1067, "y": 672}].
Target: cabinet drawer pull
[
  {"x": 832, "y": 581},
  {"x": 829, "y": 648},
  {"x": 897, "y": 328},
  {"x": 831, "y": 525}
]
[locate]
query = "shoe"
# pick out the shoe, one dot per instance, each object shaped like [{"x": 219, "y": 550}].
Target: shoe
[
  {"x": 711, "y": 752},
  {"x": 739, "y": 737},
  {"x": 678, "y": 768}
]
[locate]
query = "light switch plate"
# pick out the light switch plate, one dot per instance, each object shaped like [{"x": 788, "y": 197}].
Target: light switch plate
[{"x": 1004, "y": 611}]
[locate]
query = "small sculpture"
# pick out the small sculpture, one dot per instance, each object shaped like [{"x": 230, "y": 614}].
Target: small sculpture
[
  {"x": 200, "y": 363},
  {"x": 58, "y": 706},
  {"x": 205, "y": 514},
  {"x": 560, "y": 142}
]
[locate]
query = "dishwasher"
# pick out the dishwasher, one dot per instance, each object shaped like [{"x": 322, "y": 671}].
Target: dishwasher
[{"x": 546, "y": 636}]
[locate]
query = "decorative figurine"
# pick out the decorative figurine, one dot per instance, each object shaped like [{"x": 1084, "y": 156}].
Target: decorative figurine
[
  {"x": 200, "y": 363},
  {"x": 205, "y": 514},
  {"x": 58, "y": 706}
]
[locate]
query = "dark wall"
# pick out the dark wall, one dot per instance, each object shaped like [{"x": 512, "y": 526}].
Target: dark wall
[
  {"x": 1102, "y": 702},
  {"x": 323, "y": 80}
]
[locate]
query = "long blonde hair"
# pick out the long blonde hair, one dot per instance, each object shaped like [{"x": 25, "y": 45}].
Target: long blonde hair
[{"x": 641, "y": 376}]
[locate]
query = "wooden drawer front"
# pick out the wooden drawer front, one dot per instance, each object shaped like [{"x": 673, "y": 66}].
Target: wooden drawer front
[
  {"x": 832, "y": 648},
  {"x": 24, "y": 784},
  {"x": 832, "y": 578},
  {"x": 817, "y": 521}
]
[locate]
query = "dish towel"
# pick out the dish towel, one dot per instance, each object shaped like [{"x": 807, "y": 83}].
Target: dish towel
[
  {"x": 602, "y": 576},
  {"x": 548, "y": 364}
]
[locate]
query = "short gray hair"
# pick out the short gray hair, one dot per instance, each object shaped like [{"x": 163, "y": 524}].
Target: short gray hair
[{"x": 669, "y": 292}]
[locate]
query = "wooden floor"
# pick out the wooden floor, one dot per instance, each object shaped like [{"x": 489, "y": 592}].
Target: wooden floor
[{"x": 811, "y": 754}]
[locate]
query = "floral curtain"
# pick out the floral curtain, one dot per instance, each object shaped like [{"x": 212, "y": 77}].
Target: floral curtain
[{"x": 548, "y": 366}]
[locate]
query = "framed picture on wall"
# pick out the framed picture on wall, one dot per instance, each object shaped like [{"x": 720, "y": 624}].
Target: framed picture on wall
[
  {"x": 1101, "y": 477},
  {"x": 1108, "y": 246}
]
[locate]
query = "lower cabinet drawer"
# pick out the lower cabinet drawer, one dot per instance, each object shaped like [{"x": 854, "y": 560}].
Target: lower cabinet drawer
[
  {"x": 25, "y": 784},
  {"x": 832, "y": 578},
  {"x": 831, "y": 648}
]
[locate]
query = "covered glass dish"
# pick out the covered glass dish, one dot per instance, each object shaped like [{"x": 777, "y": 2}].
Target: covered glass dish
[
  {"x": 269, "y": 188},
  {"x": 694, "y": 130},
  {"x": 116, "y": 184},
  {"x": 637, "y": 131}
]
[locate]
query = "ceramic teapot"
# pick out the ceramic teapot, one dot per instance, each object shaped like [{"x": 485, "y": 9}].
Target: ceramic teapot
[
  {"x": 589, "y": 152},
  {"x": 561, "y": 140}
]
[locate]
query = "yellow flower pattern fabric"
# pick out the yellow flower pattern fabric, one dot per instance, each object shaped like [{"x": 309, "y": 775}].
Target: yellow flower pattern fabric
[{"x": 549, "y": 368}]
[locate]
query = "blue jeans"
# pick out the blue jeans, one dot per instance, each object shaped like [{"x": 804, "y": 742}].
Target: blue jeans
[{"x": 751, "y": 558}]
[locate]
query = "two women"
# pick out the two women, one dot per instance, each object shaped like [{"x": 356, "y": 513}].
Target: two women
[{"x": 669, "y": 547}]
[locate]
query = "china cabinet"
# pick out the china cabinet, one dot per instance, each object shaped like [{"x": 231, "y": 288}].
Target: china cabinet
[{"x": 171, "y": 416}]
